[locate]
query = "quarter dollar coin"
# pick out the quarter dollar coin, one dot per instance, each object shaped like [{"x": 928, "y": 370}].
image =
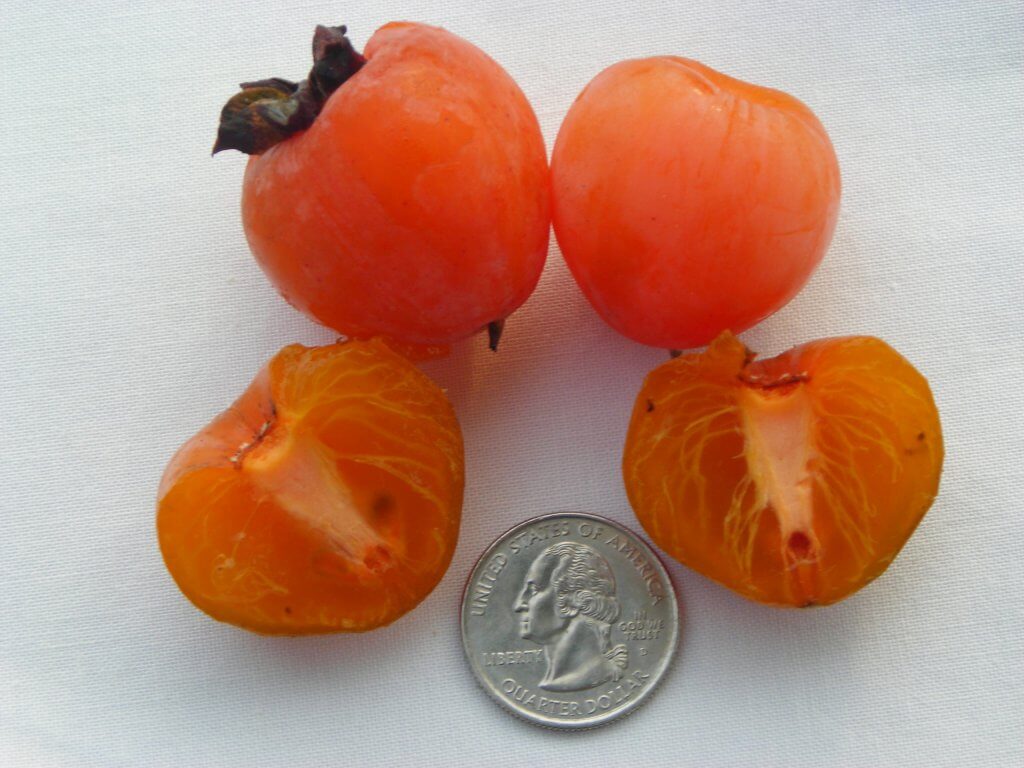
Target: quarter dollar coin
[{"x": 569, "y": 620}]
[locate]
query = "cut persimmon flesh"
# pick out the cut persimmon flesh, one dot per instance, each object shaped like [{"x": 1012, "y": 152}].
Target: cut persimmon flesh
[
  {"x": 793, "y": 481},
  {"x": 327, "y": 498}
]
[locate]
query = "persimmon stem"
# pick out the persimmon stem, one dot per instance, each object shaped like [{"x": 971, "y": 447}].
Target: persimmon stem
[
  {"x": 494, "y": 331},
  {"x": 266, "y": 112}
]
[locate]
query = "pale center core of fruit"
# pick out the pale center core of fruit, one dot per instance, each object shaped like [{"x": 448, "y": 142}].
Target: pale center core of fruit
[
  {"x": 301, "y": 477},
  {"x": 780, "y": 454}
]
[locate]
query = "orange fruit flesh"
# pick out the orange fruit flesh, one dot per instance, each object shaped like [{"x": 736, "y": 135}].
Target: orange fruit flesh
[
  {"x": 327, "y": 498},
  {"x": 793, "y": 481}
]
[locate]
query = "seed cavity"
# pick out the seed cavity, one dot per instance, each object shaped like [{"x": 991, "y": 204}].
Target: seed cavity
[
  {"x": 378, "y": 559},
  {"x": 799, "y": 545}
]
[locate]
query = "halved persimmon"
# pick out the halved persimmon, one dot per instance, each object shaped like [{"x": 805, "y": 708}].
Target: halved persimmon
[
  {"x": 793, "y": 481},
  {"x": 326, "y": 498}
]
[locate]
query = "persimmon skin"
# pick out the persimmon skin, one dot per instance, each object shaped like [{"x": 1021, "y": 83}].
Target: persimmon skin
[
  {"x": 416, "y": 206},
  {"x": 686, "y": 202},
  {"x": 793, "y": 481},
  {"x": 327, "y": 498}
]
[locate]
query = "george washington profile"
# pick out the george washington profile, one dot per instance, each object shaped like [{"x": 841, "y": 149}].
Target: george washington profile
[{"x": 568, "y": 606}]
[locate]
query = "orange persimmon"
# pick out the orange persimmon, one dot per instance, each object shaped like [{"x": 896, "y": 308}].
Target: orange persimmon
[
  {"x": 401, "y": 192},
  {"x": 327, "y": 498},
  {"x": 687, "y": 202},
  {"x": 794, "y": 480}
]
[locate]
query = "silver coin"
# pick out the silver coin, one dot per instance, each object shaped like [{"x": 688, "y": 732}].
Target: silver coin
[{"x": 569, "y": 620}]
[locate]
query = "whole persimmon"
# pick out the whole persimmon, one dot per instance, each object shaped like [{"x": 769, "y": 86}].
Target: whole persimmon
[
  {"x": 327, "y": 498},
  {"x": 794, "y": 481},
  {"x": 401, "y": 192},
  {"x": 686, "y": 202}
]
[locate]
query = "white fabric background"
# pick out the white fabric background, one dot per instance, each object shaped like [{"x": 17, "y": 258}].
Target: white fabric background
[{"x": 132, "y": 312}]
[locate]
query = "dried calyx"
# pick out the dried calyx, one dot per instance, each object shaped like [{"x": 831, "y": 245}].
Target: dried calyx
[{"x": 266, "y": 112}]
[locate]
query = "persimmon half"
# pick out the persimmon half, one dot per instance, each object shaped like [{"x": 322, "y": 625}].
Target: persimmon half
[
  {"x": 794, "y": 481},
  {"x": 687, "y": 202},
  {"x": 400, "y": 192},
  {"x": 327, "y": 498}
]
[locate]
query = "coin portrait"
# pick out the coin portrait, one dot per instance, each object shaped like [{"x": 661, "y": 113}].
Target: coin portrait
[
  {"x": 568, "y": 604},
  {"x": 569, "y": 620}
]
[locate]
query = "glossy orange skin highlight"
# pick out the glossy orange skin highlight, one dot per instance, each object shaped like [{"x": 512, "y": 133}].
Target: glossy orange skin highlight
[
  {"x": 327, "y": 498},
  {"x": 687, "y": 202},
  {"x": 417, "y": 204},
  {"x": 794, "y": 481}
]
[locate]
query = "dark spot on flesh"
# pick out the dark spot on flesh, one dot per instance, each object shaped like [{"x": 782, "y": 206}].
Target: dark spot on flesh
[
  {"x": 383, "y": 506},
  {"x": 650, "y": 406},
  {"x": 915, "y": 448},
  {"x": 288, "y": 609}
]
